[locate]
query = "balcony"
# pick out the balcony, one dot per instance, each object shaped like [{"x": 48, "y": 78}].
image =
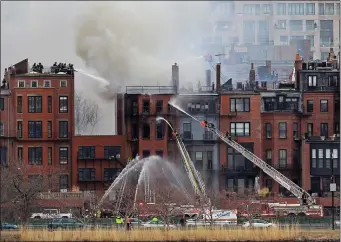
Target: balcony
[
  {"x": 208, "y": 136},
  {"x": 247, "y": 171},
  {"x": 287, "y": 167},
  {"x": 325, "y": 139},
  {"x": 65, "y": 195}
]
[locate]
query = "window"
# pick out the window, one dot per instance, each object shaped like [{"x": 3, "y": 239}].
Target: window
[
  {"x": 49, "y": 104},
  {"x": 310, "y": 129},
  {"x": 320, "y": 158},
  {"x": 281, "y": 9},
  {"x": 47, "y": 83},
  {"x": 34, "y": 104},
  {"x": 282, "y": 130},
  {"x": 329, "y": 9},
  {"x": 328, "y": 156},
  {"x": 86, "y": 174},
  {"x": 3, "y": 155},
  {"x": 21, "y": 84},
  {"x": 268, "y": 156},
  {"x": 63, "y": 155},
  {"x": 209, "y": 160},
  {"x": 199, "y": 160},
  {"x": 145, "y": 131},
  {"x": 63, "y": 183},
  {"x": 239, "y": 104},
  {"x": 146, "y": 107},
  {"x": 240, "y": 129},
  {"x": 312, "y": 81},
  {"x": 2, "y": 128},
  {"x": 159, "y": 153},
  {"x": 159, "y": 106},
  {"x": 19, "y": 126},
  {"x": 321, "y": 8},
  {"x": 323, "y": 106},
  {"x": 335, "y": 157},
  {"x": 236, "y": 161},
  {"x": 310, "y": 106},
  {"x": 35, "y": 129},
  {"x": 187, "y": 131},
  {"x": 296, "y": 25},
  {"x": 86, "y": 152},
  {"x": 310, "y": 25},
  {"x": 63, "y": 83},
  {"x": 295, "y": 131},
  {"x": 310, "y": 9},
  {"x": 35, "y": 155},
  {"x": 160, "y": 130},
  {"x": 20, "y": 155},
  {"x": 49, "y": 155},
  {"x": 311, "y": 39},
  {"x": 283, "y": 40},
  {"x": 295, "y": 8},
  {"x": 49, "y": 129},
  {"x": 34, "y": 84},
  {"x": 110, "y": 174},
  {"x": 63, "y": 104},
  {"x": 313, "y": 158},
  {"x": 337, "y": 10},
  {"x": 63, "y": 129},
  {"x": 145, "y": 153},
  {"x": 282, "y": 158},
  {"x": 2, "y": 104},
  {"x": 19, "y": 104},
  {"x": 324, "y": 129},
  {"x": 267, "y": 8},
  {"x": 268, "y": 130},
  {"x": 281, "y": 24},
  {"x": 112, "y": 152}
]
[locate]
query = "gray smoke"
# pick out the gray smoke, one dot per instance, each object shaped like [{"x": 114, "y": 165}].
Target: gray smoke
[{"x": 135, "y": 43}]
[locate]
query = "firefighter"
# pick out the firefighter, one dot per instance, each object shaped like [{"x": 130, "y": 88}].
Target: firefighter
[
  {"x": 183, "y": 222},
  {"x": 228, "y": 135},
  {"x": 118, "y": 221},
  {"x": 155, "y": 220}
]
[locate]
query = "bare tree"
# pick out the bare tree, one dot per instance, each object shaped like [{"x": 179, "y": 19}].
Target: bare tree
[
  {"x": 211, "y": 204},
  {"x": 87, "y": 114},
  {"x": 22, "y": 185}
]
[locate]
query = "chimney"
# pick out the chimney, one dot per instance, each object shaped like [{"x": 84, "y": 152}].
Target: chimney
[
  {"x": 218, "y": 77},
  {"x": 208, "y": 78},
  {"x": 298, "y": 67},
  {"x": 252, "y": 76},
  {"x": 175, "y": 76}
]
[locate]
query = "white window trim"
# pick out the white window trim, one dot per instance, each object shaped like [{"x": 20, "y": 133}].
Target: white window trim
[
  {"x": 47, "y": 81},
  {"x": 21, "y": 81},
  {"x": 34, "y": 81},
  {"x": 61, "y": 81}
]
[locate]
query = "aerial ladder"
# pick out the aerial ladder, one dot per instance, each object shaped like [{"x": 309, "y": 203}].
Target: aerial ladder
[
  {"x": 193, "y": 174},
  {"x": 301, "y": 194}
]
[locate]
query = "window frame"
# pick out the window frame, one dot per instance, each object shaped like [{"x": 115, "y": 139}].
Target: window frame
[
  {"x": 324, "y": 106},
  {"x": 310, "y": 106},
  {"x": 280, "y": 130},
  {"x": 282, "y": 162},
  {"x": 2, "y": 128},
  {"x": 30, "y": 152},
  {"x": 49, "y": 104},
  {"x": 324, "y": 129},
  {"x": 35, "y": 134},
  {"x": 63, "y": 104},
  {"x": 63, "y": 123},
  {"x": 92, "y": 172},
  {"x": 35, "y": 108},
  {"x": 19, "y": 104},
  {"x": 245, "y": 103},
  {"x": 63, "y": 160},
  {"x": 268, "y": 130},
  {"x": 2, "y": 104},
  {"x": 235, "y": 134}
]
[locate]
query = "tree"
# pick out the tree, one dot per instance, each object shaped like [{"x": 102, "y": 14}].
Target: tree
[
  {"x": 87, "y": 114},
  {"x": 211, "y": 204},
  {"x": 21, "y": 185}
]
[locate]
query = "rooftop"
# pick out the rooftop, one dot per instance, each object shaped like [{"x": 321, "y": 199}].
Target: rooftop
[{"x": 150, "y": 90}]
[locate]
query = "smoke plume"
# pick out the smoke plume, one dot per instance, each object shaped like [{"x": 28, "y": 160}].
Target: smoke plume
[{"x": 135, "y": 43}]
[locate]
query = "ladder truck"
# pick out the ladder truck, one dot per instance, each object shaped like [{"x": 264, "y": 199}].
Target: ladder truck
[
  {"x": 303, "y": 196},
  {"x": 193, "y": 175}
]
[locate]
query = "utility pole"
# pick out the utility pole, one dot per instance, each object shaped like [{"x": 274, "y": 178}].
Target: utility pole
[{"x": 333, "y": 190}]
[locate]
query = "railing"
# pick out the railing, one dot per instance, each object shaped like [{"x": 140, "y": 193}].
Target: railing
[
  {"x": 151, "y": 90},
  {"x": 42, "y": 136},
  {"x": 294, "y": 166},
  {"x": 208, "y": 135},
  {"x": 52, "y": 70},
  {"x": 322, "y": 138}
]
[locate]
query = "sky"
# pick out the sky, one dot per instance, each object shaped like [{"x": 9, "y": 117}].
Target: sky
[{"x": 127, "y": 43}]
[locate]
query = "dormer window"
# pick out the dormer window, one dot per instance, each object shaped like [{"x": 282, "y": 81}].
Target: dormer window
[
  {"x": 34, "y": 84},
  {"x": 21, "y": 84},
  {"x": 312, "y": 81}
]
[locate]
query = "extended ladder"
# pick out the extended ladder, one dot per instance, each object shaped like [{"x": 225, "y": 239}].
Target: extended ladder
[
  {"x": 194, "y": 176},
  {"x": 299, "y": 192}
]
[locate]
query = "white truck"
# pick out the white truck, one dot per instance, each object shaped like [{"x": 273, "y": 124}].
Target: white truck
[
  {"x": 51, "y": 214},
  {"x": 219, "y": 217}
]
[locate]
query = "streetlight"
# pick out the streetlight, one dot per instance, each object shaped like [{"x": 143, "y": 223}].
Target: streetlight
[{"x": 333, "y": 190}]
